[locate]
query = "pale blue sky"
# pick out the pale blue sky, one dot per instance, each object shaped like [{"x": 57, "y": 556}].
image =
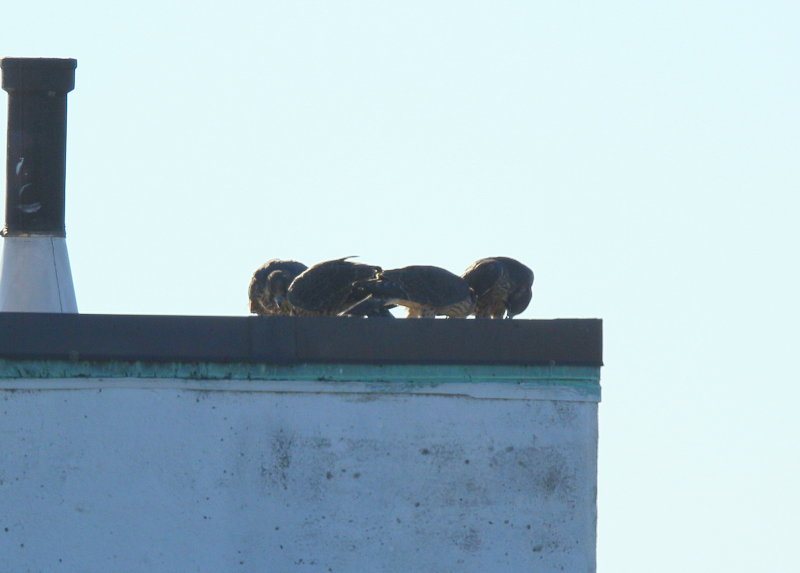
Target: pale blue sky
[{"x": 641, "y": 157}]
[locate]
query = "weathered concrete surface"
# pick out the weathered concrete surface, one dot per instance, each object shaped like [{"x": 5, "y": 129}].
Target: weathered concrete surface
[{"x": 162, "y": 475}]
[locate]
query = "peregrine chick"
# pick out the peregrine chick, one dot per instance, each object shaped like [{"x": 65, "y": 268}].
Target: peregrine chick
[
  {"x": 269, "y": 286},
  {"x": 425, "y": 290},
  {"x": 326, "y": 289},
  {"x": 502, "y": 286}
]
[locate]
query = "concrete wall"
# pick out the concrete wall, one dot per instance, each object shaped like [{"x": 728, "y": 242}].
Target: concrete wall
[{"x": 326, "y": 468}]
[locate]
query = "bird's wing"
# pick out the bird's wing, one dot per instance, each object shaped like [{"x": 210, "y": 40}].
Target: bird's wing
[{"x": 483, "y": 275}]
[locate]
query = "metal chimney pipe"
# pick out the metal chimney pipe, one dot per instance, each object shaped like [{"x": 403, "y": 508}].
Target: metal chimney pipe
[{"x": 35, "y": 274}]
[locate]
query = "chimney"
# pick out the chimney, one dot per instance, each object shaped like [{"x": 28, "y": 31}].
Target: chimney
[{"x": 35, "y": 274}]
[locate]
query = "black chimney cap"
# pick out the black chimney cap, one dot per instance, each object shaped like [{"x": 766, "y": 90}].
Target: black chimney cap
[
  {"x": 39, "y": 74},
  {"x": 36, "y": 152}
]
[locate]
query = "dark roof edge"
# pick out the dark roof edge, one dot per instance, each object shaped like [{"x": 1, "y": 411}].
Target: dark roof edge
[{"x": 290, "y": 340}]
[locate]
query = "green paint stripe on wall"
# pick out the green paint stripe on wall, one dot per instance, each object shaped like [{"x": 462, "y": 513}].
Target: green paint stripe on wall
[{"x": 547, "y": 375}]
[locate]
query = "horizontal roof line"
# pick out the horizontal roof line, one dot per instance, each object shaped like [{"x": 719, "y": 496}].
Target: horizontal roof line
[{"x": 298, "y": 340}]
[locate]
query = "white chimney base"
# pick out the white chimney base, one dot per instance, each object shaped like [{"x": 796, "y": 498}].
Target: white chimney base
[{"x": 35, "y": 276}]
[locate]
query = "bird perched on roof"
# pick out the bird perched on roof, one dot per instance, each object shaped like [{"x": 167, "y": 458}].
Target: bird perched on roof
[
  {"x": 269, "y": 286},
  {"x": 426, "y": 291},
  {"x": 502, "y": 286},
  {"x": 326, "y": 289}
]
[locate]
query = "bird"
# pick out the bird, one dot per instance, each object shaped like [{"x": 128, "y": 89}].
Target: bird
[
  {"x": 502, "y": 285},
  {"x": 269, "y": 286},
  {"x": 370, "y": 307},
  {"x": 326, "y": 289},
  {"x": 426, "y": 291}
]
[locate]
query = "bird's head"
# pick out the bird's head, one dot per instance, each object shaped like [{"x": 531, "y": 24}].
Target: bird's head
[
  {"x": 277, "y": 285},
  {"x": 257, "y": 292},
  {"x": 518, "y": 301}
]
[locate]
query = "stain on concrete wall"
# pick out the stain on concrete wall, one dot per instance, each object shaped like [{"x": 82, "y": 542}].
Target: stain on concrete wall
[{"x": 116, "y": 479}]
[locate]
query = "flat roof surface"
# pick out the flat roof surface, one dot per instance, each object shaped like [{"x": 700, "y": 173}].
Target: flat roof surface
[{"x": 299, "y": 340}]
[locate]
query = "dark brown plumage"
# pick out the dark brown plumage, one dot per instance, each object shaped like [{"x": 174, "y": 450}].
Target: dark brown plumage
[
  {"x": 326, "y": 289},
  {"x": 370, "y": 307},
  {"x": 502, "y": 285},
  {"x": 269, "y": 286},
  {"x": 426, "y": 291}
]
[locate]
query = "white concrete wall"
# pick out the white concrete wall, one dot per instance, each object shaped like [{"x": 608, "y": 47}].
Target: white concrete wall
[{"x": 100, "y": 475}]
